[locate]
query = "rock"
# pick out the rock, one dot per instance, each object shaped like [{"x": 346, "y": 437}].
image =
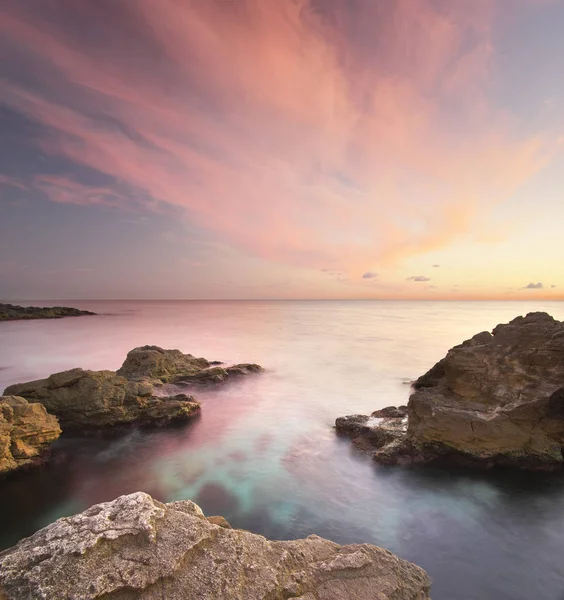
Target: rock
[
  {"x": 93, "y": 399},
  {"x": 221, "y": 521},
  {"x": 172, "y": 366},
  {"x": 391, "y": 412},
  {"x": 152, "y": 362},
  {"x": 382, "y": 427},
  {"x": 84, "y": 399},
  {"x": 11, "y": 312},
  {"x": 137, "y": 548},
  {"x": 217, "y": 374},
  {"x": 244, "y": 369},
  {"x": 25, "y": 432},
  {"x": 403, "y": 451},
  {"x": 202, "y": 377},
  {"x": 496, "y": 399}
]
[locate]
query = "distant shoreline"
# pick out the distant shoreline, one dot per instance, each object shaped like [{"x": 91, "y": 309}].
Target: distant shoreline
[{"x": 13, "y": 312}]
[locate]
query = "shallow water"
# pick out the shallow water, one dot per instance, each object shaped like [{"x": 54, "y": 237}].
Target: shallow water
[{"x": 264, "y": 453}]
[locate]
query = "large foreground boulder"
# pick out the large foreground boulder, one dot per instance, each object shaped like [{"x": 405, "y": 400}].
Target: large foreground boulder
[
  {"x": 94, "y": 399},
  {"x": 496, "y": 399},
  {"x": 137, "y": 548},
  {"x": 26, "y": 430},
  {"x": 173, "y": 366}
]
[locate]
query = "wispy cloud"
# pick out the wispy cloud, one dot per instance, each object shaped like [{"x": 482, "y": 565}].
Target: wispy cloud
[
  {"x": 418, "y": 278},
  {"x": 67, "y": 191},
  {"x": 534, "y": 286},
  {"x": 369, "y": 275},
  {"x": 245, "y": 114},
  {"x": 12, "y": 182}
]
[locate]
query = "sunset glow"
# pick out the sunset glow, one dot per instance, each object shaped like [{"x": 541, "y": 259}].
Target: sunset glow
[{"x": 281, "y": 149}]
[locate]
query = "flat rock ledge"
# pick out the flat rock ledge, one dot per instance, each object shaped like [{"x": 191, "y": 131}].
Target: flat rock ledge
[
  {"x": 137, "y": 548},
  {"x": 86, "y": 400},
  {"x": 26, "y": 430},
  {"x": 12, "y": 312},
  {"x": 497, "y": 399}
]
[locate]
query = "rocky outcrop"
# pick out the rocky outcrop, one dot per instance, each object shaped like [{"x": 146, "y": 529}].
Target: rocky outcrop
[
  {"x": 85, "y": 400},
  {"x": 152, "y": 362},
  {"x": 93, "y": 399},
  {"x": 25, "y": 432},
  {"x": 172, "y": 366},
  {"x": 11, "y": 312},
  {"x": 496, "y": 399},
  {"x": 380, "y": 428},
  {"x": 137, "y": 548}
]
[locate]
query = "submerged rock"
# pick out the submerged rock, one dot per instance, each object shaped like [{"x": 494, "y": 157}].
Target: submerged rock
[
  {"x": 26, "y": 430},
  {"x": 93, "y": 399},
  {"x": 173, "y": 366},
  {"x": 137, "y": 548},
  {"x": 496, "y": 399},
  {"x": 12, "y": 312}
]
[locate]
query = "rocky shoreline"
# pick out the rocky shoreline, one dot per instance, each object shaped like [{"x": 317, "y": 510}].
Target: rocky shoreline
[
  {"x": 12, "y": 312},
  {"x": 86, "y": 401},
  {"x": 497, "y": 399},
  {"x": 134, "y": 547},
  {"x": 137, "y": 548}
]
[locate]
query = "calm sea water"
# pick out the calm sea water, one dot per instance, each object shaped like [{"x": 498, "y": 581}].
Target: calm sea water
[{"x": 264, "y": 453}]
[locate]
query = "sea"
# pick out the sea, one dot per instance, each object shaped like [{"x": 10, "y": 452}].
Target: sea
[{"x": 264, "y": 452}]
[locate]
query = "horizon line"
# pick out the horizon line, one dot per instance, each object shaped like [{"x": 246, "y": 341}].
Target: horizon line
[{"x": 467, "y": 299}]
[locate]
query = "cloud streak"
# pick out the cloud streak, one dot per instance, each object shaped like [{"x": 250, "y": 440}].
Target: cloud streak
[
  {"x": 7, "y": 181},
  {"x": 284, "y": 128}
]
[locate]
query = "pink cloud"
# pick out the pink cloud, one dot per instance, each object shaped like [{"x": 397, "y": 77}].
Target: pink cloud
[
  {"x": 66, "y": 191},
  {"x": 12, "y": 182},
  {"x": 273, "y": 126}
]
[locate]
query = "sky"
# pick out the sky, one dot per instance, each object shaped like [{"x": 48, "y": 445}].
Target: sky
[{"x": 408, "y": 149}]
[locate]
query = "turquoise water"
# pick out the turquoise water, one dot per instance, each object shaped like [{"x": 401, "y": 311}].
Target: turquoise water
[{"x": 264, "y": 453}]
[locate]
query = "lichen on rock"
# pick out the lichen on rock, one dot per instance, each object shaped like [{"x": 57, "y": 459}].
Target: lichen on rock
[{"x": 136, "y": 548}]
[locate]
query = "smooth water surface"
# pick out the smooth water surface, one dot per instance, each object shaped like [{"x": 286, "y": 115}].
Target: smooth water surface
[{"x": 264, "y": 453}]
